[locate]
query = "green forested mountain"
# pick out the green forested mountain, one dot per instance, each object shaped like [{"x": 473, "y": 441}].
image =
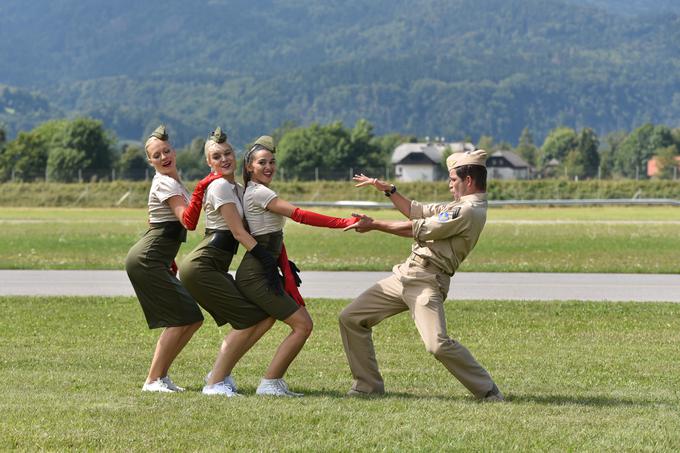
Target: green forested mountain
[{"x": 451, "y": 68}]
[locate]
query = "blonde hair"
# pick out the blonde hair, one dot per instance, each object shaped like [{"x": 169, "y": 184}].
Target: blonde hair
[
  {"x": 148, "y": 143},
  {"x": 211, "y": 146}
]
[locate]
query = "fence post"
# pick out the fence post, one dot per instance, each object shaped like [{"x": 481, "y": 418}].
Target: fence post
[
  {"x": 45, "y": 174},
  {"x": 113, "y": 174},
  {"x": 316, "y": 174},
  {"x": 675, "y": 173},
  {"x": 80, "y": 175},
  {"x": 283, "y": 174},
  {"x": 351, "y": 173},
  {"x": 146, "y": 174}
]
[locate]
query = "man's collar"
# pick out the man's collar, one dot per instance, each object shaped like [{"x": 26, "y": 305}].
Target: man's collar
[{"x": 479, "y": 196}]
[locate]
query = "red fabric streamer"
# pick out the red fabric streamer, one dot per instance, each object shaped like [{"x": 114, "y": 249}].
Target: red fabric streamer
[{"x": 289, "y": 281}]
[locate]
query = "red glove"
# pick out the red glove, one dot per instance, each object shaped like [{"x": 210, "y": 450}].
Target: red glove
[
  {"x": 320, "y": 220},
  {"x": 173, "y": 268},
  {"x": 290, "y": 279},
  {"x": 193, "y": 211}
]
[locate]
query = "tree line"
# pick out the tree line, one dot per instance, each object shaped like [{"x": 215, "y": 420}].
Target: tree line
[
  {"x": 82, "y": 149},
  {"x": 569, "y": 153}
]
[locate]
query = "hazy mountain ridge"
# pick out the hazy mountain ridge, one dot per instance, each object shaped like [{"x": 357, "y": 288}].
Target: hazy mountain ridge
[
  {"x": 429, "y": 67},
  {"x": 634, "y": 7}
]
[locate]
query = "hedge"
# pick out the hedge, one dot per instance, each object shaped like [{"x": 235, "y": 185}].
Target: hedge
[{"x": 134, "y": 194}]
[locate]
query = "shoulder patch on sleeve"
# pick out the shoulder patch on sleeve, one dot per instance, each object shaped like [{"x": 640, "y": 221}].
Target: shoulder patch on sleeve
[{"x": 445, "y": 216}]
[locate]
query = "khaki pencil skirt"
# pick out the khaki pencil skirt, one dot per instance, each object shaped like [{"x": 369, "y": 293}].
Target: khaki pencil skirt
[
  {"x": 252, "y": 282},
  {"x": 205, "y": 274},
  {"x": 165, "y": 302}
]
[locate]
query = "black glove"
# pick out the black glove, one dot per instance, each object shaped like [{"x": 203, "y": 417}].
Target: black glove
[
  {"x": 296, "y": 273},
  {"x": 270, "y": 268}
]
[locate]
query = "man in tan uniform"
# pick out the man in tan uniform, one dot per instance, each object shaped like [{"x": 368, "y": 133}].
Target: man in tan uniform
[{"x": 444, "y": 235}]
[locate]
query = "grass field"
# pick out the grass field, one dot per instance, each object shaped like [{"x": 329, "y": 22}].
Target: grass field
[
  {"x": 578, "y": 377},
  {"x": 609, "y": 239}
]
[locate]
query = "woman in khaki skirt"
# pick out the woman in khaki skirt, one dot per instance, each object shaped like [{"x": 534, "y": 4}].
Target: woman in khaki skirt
[
  {"x": 165, "y": 302},
  {"x": 265, "y": 213},
  {"x": 205, "y": 271}
]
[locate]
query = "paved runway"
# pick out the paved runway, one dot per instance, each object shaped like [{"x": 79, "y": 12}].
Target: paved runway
[{"x": 465, "y": 285}]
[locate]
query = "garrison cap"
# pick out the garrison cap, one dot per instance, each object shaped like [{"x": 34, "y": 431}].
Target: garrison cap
[
  {"x": 267, "y": 142},
  {"x": 160, "y": 133},
  {"x": 218, "y": 136},
  {"x": 477, "y": 157}
]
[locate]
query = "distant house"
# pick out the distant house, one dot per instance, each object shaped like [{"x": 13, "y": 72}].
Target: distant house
[
  {"x": 653, "y": 166},
  {"x": 507, "y": 165},
  {"x": 423, "y": 161}
]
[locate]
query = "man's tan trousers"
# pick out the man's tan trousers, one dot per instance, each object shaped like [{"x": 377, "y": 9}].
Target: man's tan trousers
[{"x": 422, "y": 292}]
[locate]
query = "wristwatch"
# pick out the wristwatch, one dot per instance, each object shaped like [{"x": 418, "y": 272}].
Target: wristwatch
[{"x": 392, "y": 189}]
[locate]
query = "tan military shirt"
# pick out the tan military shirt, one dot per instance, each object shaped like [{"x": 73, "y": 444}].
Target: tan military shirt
[
  {"x": 255, "y": 201},
  {"x": 445, "y": 233},
  {"x": 219, "y": 193},
  {"x": 164, "y": 187}
]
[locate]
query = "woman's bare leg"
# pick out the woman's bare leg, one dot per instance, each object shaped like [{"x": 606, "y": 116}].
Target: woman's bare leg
[
  {"x": 301, "y": 325},
  {"x": 234, "y": 346},
  {"x": 170, "y": 343}
]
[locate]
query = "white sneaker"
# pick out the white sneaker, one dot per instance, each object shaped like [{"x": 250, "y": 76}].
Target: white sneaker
[
  {"x": 230, "y": 382},
  {"x": 159, "y": 385},
  {"x": 284, "y": 384},
  {"x": 227, "y": 380},
  {"x": 275, "y": 387},
  {"x": 220, "y": 389},
  {"x": 171, "y": 385},
  {"x": 270, "y": 387}
]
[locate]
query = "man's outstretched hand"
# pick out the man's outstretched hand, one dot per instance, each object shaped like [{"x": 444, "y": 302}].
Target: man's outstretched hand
[
  {"x": 363, "y": 180},
  {"x": 364, "y": 224}
]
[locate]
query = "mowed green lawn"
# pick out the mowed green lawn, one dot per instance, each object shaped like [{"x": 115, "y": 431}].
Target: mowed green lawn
[
  {"x": 590, "y": 239},
  {"x": 578, "y": 377}
]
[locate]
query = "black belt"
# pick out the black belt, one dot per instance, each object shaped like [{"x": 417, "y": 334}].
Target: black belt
[
  {"x": 223, "y": 240},
  {"x": 171, "y": 230}
]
